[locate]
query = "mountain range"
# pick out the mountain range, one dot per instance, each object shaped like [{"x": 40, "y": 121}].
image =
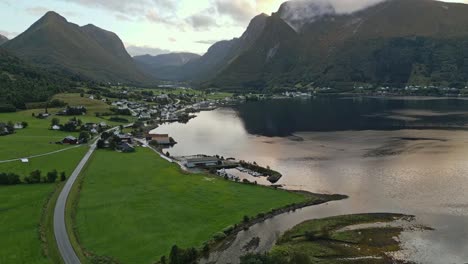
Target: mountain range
[
  {"x": 90, "y": 52},
  {"x": 161, "y": 66},
  {"x": 303, "y": 44},
  {"x": 395, "y": 42},
  {"x": 309, "y": 44}
]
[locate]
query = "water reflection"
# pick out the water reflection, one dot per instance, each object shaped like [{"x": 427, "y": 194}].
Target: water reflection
[{"x": 382, "y": 169}]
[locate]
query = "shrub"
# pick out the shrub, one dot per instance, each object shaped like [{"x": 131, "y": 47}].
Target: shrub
[
  {"x": 62, "y": 176},
  {"x": 228, "y": 230},
  {"x": 246, "y": 219},
  {"x": 52, "y": 176},
  {"x": 219, "y": 236}
]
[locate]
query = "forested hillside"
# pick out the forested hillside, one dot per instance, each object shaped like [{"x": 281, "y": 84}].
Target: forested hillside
[{"x": 21, "y": 83}]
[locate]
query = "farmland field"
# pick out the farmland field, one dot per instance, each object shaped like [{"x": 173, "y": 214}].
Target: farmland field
[{"x": 148, "y": 205}]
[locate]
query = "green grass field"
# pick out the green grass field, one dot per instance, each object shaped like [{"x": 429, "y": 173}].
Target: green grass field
[
  {"x": 135, "y": 207},
  {"x": 20, "y": 214}
]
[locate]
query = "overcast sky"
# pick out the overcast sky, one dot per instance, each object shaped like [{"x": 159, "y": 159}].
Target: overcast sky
[{"x": 153, "y": 26}]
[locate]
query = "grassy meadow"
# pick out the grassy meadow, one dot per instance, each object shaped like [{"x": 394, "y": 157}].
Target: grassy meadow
[
  {"x": 135, "y": 207},
  {"x": 20, "y": 214}
]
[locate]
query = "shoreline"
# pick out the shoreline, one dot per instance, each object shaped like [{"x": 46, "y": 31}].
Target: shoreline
[{"x": 221, "y": 245}]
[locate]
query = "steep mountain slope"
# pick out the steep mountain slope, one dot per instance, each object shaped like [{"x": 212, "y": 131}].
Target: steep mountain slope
[
  {"x": 393, "y": 43},
  {"x": 53, "y": 42},
  {"x": 3, "y": 39},
  {"x": 218, "y": 56}
]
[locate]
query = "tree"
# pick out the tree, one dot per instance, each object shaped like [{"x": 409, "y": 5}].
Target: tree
[
  {"x": 34, "y": 177},
  {"x": 55, "y": 121},
  {"x": 52, "y": 176},
  {"x": 84, "y": 136},
  {"x": 62, "y": 176},
  {"x": 101, "y": 144},
  {"x": 174, "y": 257}
]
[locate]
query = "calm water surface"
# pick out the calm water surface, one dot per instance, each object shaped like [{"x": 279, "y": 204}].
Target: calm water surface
[{"x": 389, "y": 155}]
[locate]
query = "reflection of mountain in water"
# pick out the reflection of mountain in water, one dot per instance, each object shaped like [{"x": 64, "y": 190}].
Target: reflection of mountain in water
[{"x": 285, "y": 117}]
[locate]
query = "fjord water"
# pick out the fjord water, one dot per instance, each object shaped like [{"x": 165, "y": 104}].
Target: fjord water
[{"x": 399, "y": 155}]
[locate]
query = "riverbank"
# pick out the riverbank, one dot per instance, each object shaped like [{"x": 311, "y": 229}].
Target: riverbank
[{"x": 230, "y": 234}]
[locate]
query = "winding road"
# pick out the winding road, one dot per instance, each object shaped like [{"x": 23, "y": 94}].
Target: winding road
[{"x": 60, "y": 229}]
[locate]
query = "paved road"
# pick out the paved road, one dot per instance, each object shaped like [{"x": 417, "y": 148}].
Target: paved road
[{"x": 60, "y": 230}]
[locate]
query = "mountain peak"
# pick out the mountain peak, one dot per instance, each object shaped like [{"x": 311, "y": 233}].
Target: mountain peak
[
  {"x": 90, "y": 52},
  {"x": 52, "y": 15},
  {"x": 301, "y": 12}
]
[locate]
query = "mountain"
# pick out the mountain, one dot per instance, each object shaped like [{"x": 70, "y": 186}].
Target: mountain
[
  {"x": 91, "y": 52},
  {"x": 3, "y": 39},
  {"x": 162, "y": 66},
  {"x": 218, "y": 56},
  {"x": 396, "y": 42}
]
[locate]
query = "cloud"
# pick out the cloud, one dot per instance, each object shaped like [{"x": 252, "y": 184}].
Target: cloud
[
  {"x": 135, "y": 9},
  {"x": 122, "y": 17},
  {"x": 126, "y": 7},
  {"x": 300, "y": 12},
  {"x": 201, "y": 21},
  {"x": 207, "y": 42},
  {"x": 40, "y": 11},
  {"x": 143, "y": 50},
  {"x": 241, "y": 11},
  {"x": 37, "y": 10}
]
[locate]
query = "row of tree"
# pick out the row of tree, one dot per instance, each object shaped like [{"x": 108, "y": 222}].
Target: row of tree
[{"x": 34, "y": 177}]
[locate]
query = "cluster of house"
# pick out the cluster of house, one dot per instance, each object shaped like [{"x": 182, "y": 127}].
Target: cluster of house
[
  {"x": 139, "y": 110},
  {"x": 169, "y": 112},
  {"x": 205, "y": 106},
  {"x": 383, "y": 90},
  {"x": 297, "y": 94}
]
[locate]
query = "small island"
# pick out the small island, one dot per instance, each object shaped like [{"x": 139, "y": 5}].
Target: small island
[{"x": 360, "y": 238}]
